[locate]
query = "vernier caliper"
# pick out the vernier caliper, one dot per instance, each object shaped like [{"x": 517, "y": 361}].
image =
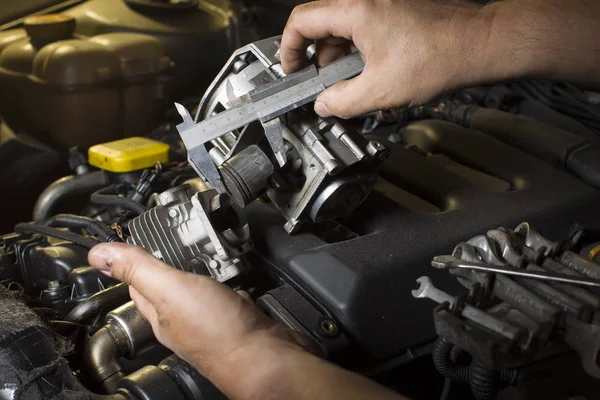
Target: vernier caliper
[{"x": 265, "y": 104}]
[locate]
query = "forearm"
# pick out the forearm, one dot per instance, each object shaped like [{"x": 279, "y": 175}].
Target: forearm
[
  {"x": 553, "y": 39},
  {"x": 268, "y": 370}
]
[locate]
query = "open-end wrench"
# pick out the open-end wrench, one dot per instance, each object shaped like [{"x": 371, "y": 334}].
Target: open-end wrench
[
  {"x": 509, "y": 291},
  {"x": 585, "y": 340},
  {"x": 505, "y": 312},
  {"x": 443, "y": 262},
  {"x": 535, "y": 241},
  {"x": 578, "y": 293},
  {"x": 427, "y": 290},
  {"x": 504, "y": 241},
  {"x": 580, "y": 264},
  {"x": 557, "y": 298}
]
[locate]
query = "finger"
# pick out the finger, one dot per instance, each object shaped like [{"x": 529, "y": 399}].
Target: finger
[
  {"x": 331, "y": 49},
  {"x": 136, "y": 267},
  {"x": 349, "y": 98},
  {"x": 144, "y": 306},
  {"x": 308, "y": 22},
  {"x": 244, "y": 295}
]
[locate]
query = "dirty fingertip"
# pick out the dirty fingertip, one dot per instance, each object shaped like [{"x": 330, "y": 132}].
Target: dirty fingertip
[
  {"x": 321, "y": 109},
  {"x": 100, "y": 257}
]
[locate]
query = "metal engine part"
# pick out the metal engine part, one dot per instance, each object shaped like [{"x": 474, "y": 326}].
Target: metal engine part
[
  {"x": 194, "y": 229},
  {"x": 321, "y": 170}
]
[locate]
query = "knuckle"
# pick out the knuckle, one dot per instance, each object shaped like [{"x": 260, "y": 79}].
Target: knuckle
[
  {"x": 362, "y": 7},
  {"x": 295, "y": 14}
]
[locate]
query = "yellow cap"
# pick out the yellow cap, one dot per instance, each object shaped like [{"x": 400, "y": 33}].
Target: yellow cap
[{"x": 128, "y": 155}]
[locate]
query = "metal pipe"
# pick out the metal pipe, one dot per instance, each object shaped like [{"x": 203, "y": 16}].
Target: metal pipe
[
  {"x": 137, "y": 330},
  {"x": 64, "y": 187},
  {"x": 125, "y": 334},
  {"x": 102, "y": 359}
]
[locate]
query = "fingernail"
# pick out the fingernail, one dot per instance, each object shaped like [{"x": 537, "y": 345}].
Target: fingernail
[
  {"x": 321, "y": 109},
  {"x": 107, "y": 273},
  {"x": 100, "y": 258}
]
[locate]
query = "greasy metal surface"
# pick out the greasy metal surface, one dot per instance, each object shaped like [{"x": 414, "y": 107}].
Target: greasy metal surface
[
  {"x": 426, "y": 289},
  {"x": 364, "y": 283}
]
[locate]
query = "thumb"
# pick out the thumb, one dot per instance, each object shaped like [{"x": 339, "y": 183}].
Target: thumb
[
  {"x": 136, "y": 267},
  {"x": 347, "y": 99}
]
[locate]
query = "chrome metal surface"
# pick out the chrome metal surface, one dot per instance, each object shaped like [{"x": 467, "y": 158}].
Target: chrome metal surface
[{"x": 136, "y": 328}]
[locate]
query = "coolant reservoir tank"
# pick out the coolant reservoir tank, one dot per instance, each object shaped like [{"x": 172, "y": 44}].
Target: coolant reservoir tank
[
  {"x": 81, "y": 90},
  {"x": 19, "y": 47}
]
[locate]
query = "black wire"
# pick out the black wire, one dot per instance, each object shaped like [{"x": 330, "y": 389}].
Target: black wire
[
  {"x": 562, "y": 97},
  {"x": 57, "y": 233},
  {"x": 92, "y": 226},
  {"x": 107, "y": 197},
  {"x": 446, "y": 389}
]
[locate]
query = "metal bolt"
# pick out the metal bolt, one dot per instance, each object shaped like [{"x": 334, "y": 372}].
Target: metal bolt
[
  {"x": 328, "y": 327},
  {"x": 173, "y": 213},
  {"x": 53, "y": 285},
  {"x": 376, "y": 149}
]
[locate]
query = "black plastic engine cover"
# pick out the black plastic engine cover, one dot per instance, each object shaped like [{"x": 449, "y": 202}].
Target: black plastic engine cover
[
  {"x": 452, "y": 184},
  {"x": 54, "y": 274}
]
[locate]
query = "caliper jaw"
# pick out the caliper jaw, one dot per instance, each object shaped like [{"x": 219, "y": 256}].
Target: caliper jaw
[
  {"x": 317, "y": 169},
  {"x": 197, "y": 155}
]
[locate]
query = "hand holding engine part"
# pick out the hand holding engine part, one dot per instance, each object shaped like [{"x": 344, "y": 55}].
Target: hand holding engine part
[
  {"x": 252, "y": 136},
  {"x": 223, "y": 334},
  {"x": 416, "y": 50}
]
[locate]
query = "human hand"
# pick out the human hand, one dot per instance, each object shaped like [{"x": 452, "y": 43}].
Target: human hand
[
  {"x": 201, "y": 320},
  {"x": 414, "y": 50},
  {"x": 222, "y": 333}
]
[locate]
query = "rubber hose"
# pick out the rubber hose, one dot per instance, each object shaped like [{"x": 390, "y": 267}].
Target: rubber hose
[
  {"x": 484, "y": 381},
  {"x": 109, "y": 298},
  {"x": 102, "y": 197},
  {"x": 444, "y": 364},
  {"x": 57, "y": 233},
  {"x": 94, "y": 396},
  {"x": 102, "y": 359},
  {"x": 509, "y": 376},
  {"x": 92, "y": 226},
  {"x": 64, "y": 187}
]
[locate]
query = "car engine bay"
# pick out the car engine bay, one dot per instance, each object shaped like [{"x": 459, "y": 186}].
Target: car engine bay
[{"x": 336, "y": 228}]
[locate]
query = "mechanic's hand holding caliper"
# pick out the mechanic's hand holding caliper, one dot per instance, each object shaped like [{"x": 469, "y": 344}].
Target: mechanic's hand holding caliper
[
  {"x": 417, "y": 50},
  {"x": 414, "y": 51}
]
